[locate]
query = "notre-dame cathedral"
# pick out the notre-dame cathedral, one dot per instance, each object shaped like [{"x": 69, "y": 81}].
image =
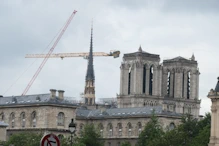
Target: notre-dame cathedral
[
  {"x": 144, "y": 81},
  {"x": 170, "y": 89}
]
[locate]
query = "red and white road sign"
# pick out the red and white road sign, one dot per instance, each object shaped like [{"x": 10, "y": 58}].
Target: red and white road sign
[{"x": 50, "y": 140}]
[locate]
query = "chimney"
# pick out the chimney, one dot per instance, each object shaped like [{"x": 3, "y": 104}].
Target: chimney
[
  {"x": 61, "y": 94},
  {"x": 52, "y": 93}
]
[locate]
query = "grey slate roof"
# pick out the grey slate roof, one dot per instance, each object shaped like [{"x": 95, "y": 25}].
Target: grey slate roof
[
  {"x": 3, "y": 124},
  {"x": 217, "y": 86},
  {"x": 90, "y": 68},
  {"x": 32, "y": 99},
  {"x": 122, "y": 112}
]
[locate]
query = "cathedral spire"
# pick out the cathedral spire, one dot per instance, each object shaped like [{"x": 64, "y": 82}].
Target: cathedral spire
[{"x": 90, "y": 68}]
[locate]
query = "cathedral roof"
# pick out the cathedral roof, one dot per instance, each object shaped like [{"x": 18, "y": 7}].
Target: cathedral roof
[
  {"x": 217, "y": 86},
  {"x": 142, "y": 53},
  {"x": 122, "y": 112},
  {"x": 33, "y": 99},
  {"x": 179, "y": 59}
]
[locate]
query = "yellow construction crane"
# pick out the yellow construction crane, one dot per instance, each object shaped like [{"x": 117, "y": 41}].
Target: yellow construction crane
[{"x": 115, "y": 54}]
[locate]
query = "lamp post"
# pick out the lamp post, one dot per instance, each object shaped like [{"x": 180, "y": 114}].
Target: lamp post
[{"x": 72, "y": 128}]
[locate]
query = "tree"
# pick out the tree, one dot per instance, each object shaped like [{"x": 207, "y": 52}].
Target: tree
[
  {"x": 90, "y": 137},
  {"x": 152, "y": 132},
  {"x": 24, "y": 139}
]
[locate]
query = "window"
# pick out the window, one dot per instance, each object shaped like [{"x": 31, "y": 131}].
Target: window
[
  {"x": 61, "y": 118},
  {"x": 172, "y": 126},
  {"x": 12, "y": 119},
  {"x": 23, "y": 119},
  {"x": 109, "y": 143},
  {"x": 100, "y": 127},
  {"x": 139, "y": 126},
  {"x": 118, "y": 144},
  {"x": 110, "y": 128},
  {"x": 144, "y": 78},
  {"x": 151, "y": 80},
  {"x": 81, "y": 129},
  {"x": 129, "y": 129},
  {"x": 120, "y": 129},
  {"x": 33, "y": 119},
  {"x": 2, "y": 116}
]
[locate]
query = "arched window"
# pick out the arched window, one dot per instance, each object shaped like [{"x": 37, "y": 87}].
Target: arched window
[
  {"x": 100, "y": 127},
  {"x": 23, "y": 119},
  {"x": 188, "y": 84},
  {"x": 81, "y": 129},
  {"x": 2, "y": 116},
  {"x": 171, "y": 126},
  {"x": 110, "y": 130},
  {"x": 139, "y": 128},
  {"x": 168, "y": 83},
  {"x": 151, "y": 80},
  {"x": 129, "y": 126},
  {"x": 144, "y": 78},
  {"x": 12, "y": 120},
  {"x": 120, "y": 129},
  {"x": 61, "y": 119},
  {"x": 33, "y": 119}
]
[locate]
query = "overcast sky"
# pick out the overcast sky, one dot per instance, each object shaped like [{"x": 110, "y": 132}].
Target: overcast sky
[{"x": 169, "y": 28}]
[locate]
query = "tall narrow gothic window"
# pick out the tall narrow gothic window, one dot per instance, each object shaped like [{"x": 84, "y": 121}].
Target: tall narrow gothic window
[
  {"x": 129, "y": 129},
  {"x": 100, "y": 127},
  {"x": 144, "y": 78},
  {"x": 129, "y": 83},
  {"x": 168, "y": 83},
  {"x": 183, "y": 78},
  {"x": 2, "y": 116},
  {"x": 151, "y": 81},
  {"x": 139, "y": 128},
  {"x": 61, "y": 119},
  {"x": 23, "y": 120},
  {"x": 12, "y": 119},
  {"x": 188, "y": 84},
  {"x": 120, "y": 129},
  {"x": 110, "y": 130},
  {"x": 33, "y": 119}
]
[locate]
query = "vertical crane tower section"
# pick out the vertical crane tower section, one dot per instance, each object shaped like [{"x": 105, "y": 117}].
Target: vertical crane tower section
[
  {"x": 89, "y": 91},
  {"x": 49, "y": 53}
]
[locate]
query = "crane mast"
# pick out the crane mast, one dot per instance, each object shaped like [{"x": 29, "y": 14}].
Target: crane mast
[{"x": 49, "y": 53}]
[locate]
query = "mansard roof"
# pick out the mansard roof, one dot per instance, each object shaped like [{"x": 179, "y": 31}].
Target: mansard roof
[
  {"x": 122, "y": 112},
  {"x": 33, "y": 99},
  {"x": 217, "y": 86}
]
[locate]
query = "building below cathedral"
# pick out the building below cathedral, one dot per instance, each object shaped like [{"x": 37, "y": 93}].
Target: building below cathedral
[{"x": 170, "y": 89}]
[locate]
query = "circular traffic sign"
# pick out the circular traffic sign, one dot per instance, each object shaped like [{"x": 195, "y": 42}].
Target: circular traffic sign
[{"x": 50, "y": 140}]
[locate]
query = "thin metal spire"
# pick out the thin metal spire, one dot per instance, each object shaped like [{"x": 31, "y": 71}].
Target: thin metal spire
[{"x": 90, "y": 68}]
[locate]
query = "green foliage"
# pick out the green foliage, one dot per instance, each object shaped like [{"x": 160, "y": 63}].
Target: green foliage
[
  {"x": 126, "y": 144},
  {"x": 190, "y": 133},
  {"x": 90, "y": 137},
  {"x": 151, "y": 133},
  {"x": 24, "y": 139}
]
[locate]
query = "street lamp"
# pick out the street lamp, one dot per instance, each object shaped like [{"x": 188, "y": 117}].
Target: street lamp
[{"x": 72, "y": 128}]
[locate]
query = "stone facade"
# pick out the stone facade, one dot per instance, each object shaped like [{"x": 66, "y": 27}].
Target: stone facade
[
  {"x": 145, "y": 81},
  {"x": 214, "y": 96},
  {"x": 3, "y": 131},
  {"x": 49, "y": 114}
]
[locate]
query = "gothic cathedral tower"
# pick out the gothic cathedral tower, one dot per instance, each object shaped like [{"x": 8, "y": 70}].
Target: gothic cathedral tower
[{"x": 89, "y": 91}]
